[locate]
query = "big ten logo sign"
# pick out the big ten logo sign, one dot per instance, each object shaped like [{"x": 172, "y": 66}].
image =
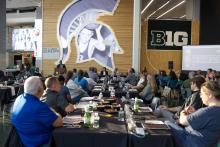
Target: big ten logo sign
[
  {"x": 169, "y": 38},
  {"x": 168, "y": 34}
]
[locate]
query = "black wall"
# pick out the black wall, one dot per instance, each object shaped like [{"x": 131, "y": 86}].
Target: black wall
[{"x": 209, "y": 22}]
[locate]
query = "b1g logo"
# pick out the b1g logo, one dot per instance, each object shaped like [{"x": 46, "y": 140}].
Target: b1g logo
[
  {"x": 169, "y": 38},
  {"x": 168, "y": 34}
]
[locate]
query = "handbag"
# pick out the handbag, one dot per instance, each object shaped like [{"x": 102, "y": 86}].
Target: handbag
[{"x": 166, "y": 91}]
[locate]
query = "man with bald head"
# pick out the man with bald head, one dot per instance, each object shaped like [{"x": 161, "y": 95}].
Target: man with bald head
[{"x": 32, "y": 118}]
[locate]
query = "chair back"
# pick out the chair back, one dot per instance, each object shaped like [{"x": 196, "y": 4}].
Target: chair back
[
  {"x": 13, "y": 139},
  {"x": 155, "y": 103}
]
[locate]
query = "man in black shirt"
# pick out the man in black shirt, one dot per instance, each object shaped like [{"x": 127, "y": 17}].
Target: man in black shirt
[
  {"x": 191, "y": 104},
  {"x": 60, "y": 68}
]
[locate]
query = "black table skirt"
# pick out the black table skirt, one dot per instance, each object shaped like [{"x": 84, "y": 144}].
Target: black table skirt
[
  {"x": 111, "y": 133},
  {"x": 151, "y": 141}
]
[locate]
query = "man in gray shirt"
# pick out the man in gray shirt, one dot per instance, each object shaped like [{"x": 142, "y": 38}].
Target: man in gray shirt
[{"x": 54, "y": 99}]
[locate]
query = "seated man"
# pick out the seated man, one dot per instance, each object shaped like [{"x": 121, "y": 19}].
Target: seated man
[
  {"x": 192, "y": 103},
  {"x": 54, "y": 99},
  {"x": 33, "y": 119},
  {"x": 60, "y": 68},
  {"x": 64, "y": 91}
]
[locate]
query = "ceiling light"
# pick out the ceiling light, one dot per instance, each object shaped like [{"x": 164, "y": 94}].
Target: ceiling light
[
  {"x": 182, "y": 16},
  {"x": 171, "y": 9},
  {"x": 147, "y": 6},
  {"x": 158, "y": 9},
  {"x": 163, "y": 5},
  {"x": 151, "y": 14}
]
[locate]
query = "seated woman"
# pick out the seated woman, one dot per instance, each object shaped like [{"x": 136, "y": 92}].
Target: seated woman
[
  {"x": 172, "y": 82},
  {"x": 131, "y": 78},
  {"x": 81, "y": 81},
  {"x": 149, "y": 90},
  {"x": 141, "y": 83},
  {"x": 75, "y": 90},
  {"x": 202, "y": 127}
]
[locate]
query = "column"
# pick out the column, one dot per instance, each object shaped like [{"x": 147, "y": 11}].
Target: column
[{"x": 136, "y": 35}]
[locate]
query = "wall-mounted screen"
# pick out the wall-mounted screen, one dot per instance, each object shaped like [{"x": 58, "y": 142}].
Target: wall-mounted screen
[
  {"x": 25, "y": 39},
  {"x": 201, "y": 57}
]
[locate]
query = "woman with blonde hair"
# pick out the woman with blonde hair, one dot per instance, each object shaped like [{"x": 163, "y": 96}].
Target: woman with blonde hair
[
  {"x": 149, "y": 90},
  {"x": 202, "y": 127},
  {"x": 76, "y": 91}
]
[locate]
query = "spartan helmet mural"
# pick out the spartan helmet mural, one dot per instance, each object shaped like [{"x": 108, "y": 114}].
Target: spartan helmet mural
[{"x": 94, "y": 40}]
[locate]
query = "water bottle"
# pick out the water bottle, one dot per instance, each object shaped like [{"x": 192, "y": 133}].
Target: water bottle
[
  {"x": 136, "y": 105},
  {"x": 90, "y": 106},
  {"x": 121, "y": 115},
  {"x": 96, "y": 120},
  {"x": 87, "y": 118},
  {"x": 100, "y": 95}
]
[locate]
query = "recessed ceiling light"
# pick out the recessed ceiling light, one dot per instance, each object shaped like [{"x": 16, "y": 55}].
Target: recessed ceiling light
[
  {"x": 158, "y": 9},
  {"x": 182, "y": 2},
  {"x": 147, "y": 6},
  {"x": 182, "y": 16}
]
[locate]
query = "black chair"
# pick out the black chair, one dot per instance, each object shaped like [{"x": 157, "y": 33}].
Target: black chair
[{"x": 13, "y": 139}]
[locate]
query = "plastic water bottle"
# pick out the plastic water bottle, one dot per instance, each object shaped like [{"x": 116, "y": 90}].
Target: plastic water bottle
[
  {"x": 100, "y": 95},
  {"x": 90, "y": 106},
  {"x": 121, "y": 115},
  {"x": 87, "y": 118},
  {"x": 96, "y": 120},
  {"x": 136, "y": 105}
]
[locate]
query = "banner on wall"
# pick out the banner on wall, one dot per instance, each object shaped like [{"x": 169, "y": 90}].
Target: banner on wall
[
  {"x": 168, "y": 34},
  {"x": 51, "y": 53},
  {"x": 94, "y": 40}
]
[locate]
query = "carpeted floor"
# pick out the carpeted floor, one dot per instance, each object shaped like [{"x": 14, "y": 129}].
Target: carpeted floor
[{"x": 5, "y": 127}]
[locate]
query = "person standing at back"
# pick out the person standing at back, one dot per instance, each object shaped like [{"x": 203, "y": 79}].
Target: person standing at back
[{"x": 33, "y": 119}]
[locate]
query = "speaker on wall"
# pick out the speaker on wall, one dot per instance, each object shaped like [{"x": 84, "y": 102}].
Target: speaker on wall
[{"x": 170, "y": 64}]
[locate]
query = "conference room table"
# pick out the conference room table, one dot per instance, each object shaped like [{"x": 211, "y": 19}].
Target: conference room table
[
  {"x": 155, "y": 135},
  {"x": 111, "y": 133}
]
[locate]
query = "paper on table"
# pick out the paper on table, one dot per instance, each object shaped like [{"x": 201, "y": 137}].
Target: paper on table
[
  {"x": 154, "y": 122},
  {"x": 81, "y": 105},
  {"x": 75, "y": 119}
]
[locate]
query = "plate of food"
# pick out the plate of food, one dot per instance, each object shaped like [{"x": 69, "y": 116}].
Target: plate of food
[{"x": 111, "y": 111}]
